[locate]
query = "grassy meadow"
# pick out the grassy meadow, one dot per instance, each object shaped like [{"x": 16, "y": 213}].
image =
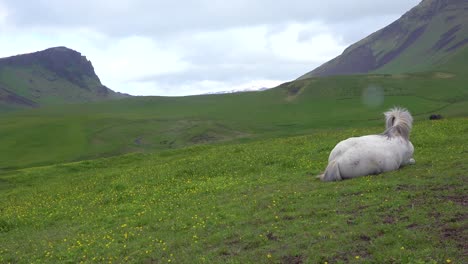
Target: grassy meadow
[
  {"x": 147, "y": 124},
  {"x": 250, "y": 202},
  {"x": 231, "y": 178}
]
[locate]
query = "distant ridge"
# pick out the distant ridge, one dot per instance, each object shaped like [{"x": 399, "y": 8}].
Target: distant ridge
[
  {"x": 246, "y": 90},
  {"x": 426, "y": 36},
  {"x": 53, "y": 76}
]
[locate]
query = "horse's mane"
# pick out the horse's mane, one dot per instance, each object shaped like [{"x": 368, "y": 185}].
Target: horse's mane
[{"x": 398, "y": 122}]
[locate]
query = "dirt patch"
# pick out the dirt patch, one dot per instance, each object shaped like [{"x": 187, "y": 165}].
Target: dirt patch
[
  {"x": 252, "y": 245},
  {"x": 234, "y": 241},
  {"x": 203, "y": 138},
  {"x": 461, "y": 200},
  {"x": 380, "y": 233},
  {"x": 272, "y": 237},
  {"x": 389, "y": 220},
  {"x": 399, "y": 76},
  {"x": 365, "y": 238},
  {"x": 138, "y": 141},
  {"x": 151, "y": 261},
  {"x": 351, "y": 221},
  {"x": 444, "y": 188},
  {"x": 458, "y": 236},
  {"x": 443, "y": 75},
  {"x": 293, "y": 90},
  {"x": 345, "y": 256},
  {"x": 292, "y": 259},
  {"x": 224, "y": 253},
  {"x": 167, "y": 143}
]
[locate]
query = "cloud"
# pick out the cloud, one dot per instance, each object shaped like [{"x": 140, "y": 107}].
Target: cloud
[
  {"x": 127, "y": 17},
  {"x": 247, "y": 54},
  {"x": 3, "y": 15},
  {"x": 194, "y": 46}
]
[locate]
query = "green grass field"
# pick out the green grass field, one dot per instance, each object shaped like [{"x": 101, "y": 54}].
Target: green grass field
[
  {"x": 147, "y": 124},
  {"x": 231, "y": 178},
  {"x": 254, "y": 202}
]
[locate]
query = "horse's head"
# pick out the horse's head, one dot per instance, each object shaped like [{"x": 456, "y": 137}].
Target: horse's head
[{"x": 398, "y": 122}]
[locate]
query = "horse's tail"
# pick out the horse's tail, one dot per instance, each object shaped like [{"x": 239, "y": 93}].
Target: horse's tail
[
  {"x": 398, "y": 121},
  {"x": 332, "y": 173}
]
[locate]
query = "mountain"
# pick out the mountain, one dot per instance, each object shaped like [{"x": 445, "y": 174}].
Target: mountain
[
  {"x": 245, "y": 90},
  {"x": 53, "y": 76},
  {"x": 429, "y": 35}
]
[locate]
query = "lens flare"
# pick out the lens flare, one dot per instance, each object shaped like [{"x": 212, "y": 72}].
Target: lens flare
[{"x": 373, "y": 96}]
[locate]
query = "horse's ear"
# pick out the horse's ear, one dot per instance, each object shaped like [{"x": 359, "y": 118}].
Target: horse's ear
[{"x": 389, "y": 119}]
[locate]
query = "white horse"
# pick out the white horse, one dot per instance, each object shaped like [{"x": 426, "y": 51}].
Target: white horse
[{"x": 373, "y": 154}]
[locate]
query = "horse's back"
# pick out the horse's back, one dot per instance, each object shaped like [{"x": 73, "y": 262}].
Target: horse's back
[
  {"x": 365, "y": 155},
  {"x": 343, "y": 147}
]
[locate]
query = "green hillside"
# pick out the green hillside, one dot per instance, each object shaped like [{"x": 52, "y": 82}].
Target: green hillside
[
  {"x": 256, "y": 202},
  {"x": 53, "y": 76},
  {"x": 146, "y": 124},
  {"x": 231, "y": 178},
  {"x": 424, "y": 38}
]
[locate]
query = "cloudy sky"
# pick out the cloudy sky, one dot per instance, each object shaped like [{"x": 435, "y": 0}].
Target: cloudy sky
[{"x": 173, "y": 48}]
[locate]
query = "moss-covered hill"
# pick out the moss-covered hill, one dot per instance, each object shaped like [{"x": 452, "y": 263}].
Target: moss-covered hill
[
  {"x": 430, "y": 34},
  {"x": 52, "y": 76}
]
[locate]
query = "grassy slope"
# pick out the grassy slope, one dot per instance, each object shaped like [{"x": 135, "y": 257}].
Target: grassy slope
[
  {"x": 254, "y": 202},
  {"x": 44, "y": 87},
  {"x": 456, "y": 63},
  {"x": 420, "y": 56},
  {"x": 85, "y": 131}
]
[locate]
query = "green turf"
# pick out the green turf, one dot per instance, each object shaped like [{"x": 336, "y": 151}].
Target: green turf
[
  {"x": 231, "y": 178},
  {"x": 255, "y": 202},
  {"x": 146, "y": 124}
]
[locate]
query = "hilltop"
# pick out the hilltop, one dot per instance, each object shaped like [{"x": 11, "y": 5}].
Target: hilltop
[
  {"x": 52, "y": 76},
  {"x": 430, "y": 35}
]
